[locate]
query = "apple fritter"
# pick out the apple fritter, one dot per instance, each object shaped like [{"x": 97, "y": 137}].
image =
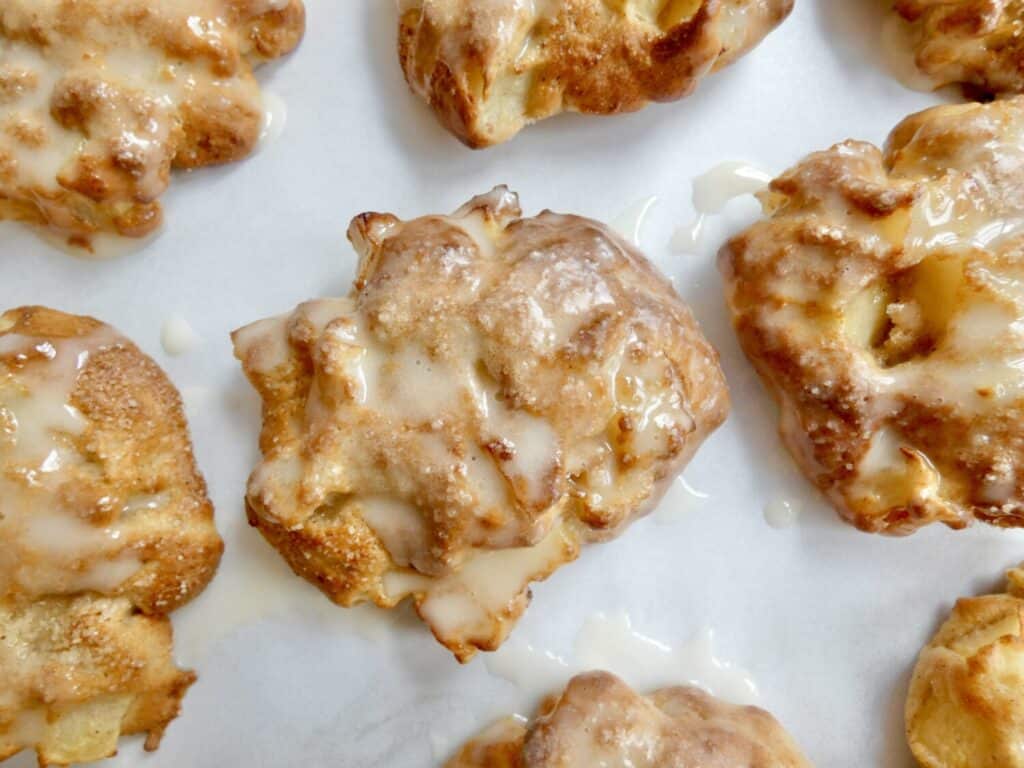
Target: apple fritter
[
  {"x": 81, "y": 671},
  {"x": 105, "y": 528},
  {"x": 599, "y": 720},
  {"x": 100, "y": 99},
  {"x": 978, "y": 43},
  {"x": 965, "y": 707},
  {"x": 495, "y": 392},
  {"x": 880, "y": 300},
  {"x": 489, "y": 69}
]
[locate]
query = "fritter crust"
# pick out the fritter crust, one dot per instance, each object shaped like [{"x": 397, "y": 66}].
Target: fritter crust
[
  {"x": 495, "y": 392},
  {"x": 105, "y": 527},
  {"x": 81, "y": 671},
  {"x": 489, "y": 69},
  {"x": 880, "y": 301},
  {"x": 599, "y": 720},
  {"x": 965, "y": 706},
  {"x": 979, "y": 43},
  {"x": 100, "y": 99}
]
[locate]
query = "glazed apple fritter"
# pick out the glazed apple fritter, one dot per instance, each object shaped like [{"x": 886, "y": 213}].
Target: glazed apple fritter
[
  {"x": 100, "y": 99},
  {"x": 491, "y": 68},
  {"x": 881, "y": 303},
  {"x": 979, "y": 43},
  {"x": 599, "y": 720},
  {"x": 105, "y": 527},
  {"x": 965, "y": 707},
  {"x": 494, "y": 393}
]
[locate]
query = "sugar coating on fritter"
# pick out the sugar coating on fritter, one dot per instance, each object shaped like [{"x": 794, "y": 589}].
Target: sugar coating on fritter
[
  {"x": 105, "y": 527},
  {"x": 490, "y": 68},
  {"x": 494, "y": 393},
  {"x": 965, "y": 707},
  {"x": 881, "y": 302},
  {"x": 100, "y": 99},
  {"x": 599, "y": 720},
  {"x": 979, "y": 43}
]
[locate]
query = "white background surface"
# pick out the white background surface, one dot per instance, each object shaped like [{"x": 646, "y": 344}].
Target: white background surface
[{"x": 828, "y": 620}]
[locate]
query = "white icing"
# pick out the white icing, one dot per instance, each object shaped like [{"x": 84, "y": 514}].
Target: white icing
[
  {"x": 536, "y": 672},
  {"x": 102, "y": 246},
  {"x": 630, "y": 223},
  {"x": 687, "y": 237},
  {"x": 781, "y": 513},
  {"x": 670, "y": 511},
  {"x": 51, "y": 550},
  {"x": 530, "y": 442},
  {"x": 612, "y": 644},
  {"x": 947, "y": 219},
  {"x": 488, "y": 582},
  {"x": 177, "y": 336},
  {"x": 899, "y": 43},
  {"x": 646, "y": 663},
  {"x": 401, "y": 528},
  {"x": 254, "y": 586},
  {"x": 275, "y": 116},
  {"x": 712, "y": 191}
]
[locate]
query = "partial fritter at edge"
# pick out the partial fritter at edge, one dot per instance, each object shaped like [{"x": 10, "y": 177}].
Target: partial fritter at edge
[
  {"x": 490, "y": 69},
  {"x": 495, "y": 392},
  {"x": 599, "y": 720},
  {"x": 880, "y": 301},
  {"x": 965, "y": 706},
  {"x": 977, "y": 44},
  {"x": 99, "y": 100},
  {"x": 105, "y": 528}
]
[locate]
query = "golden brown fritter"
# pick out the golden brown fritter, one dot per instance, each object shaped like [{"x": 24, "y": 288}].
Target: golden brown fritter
[
  {"x": 495, "y": 392},
  {"x": 100, "y": 99},
  {"x": 881, "y": 303},
  {"x": 81, "y": 671},
  {"x": 965, "y": 707},
  {"x": 105, "y": 527},
  {"x": 599, "y": 720},
  {"x": 490, "y": 68},
  {"x": 979, "y": 43}
]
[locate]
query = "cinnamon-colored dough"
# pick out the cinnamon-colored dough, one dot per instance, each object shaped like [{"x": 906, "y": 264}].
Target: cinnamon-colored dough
[
  {"x": 495, "y": 393},
  {"x": 880, "y": 300},
  {"x": 100, "y": 99},
  {"x": 965, "y": 707},
  {"x": 105, "y": 528},
  {"x": 600, "y": 721},
  {"x": 491, "y": 68}
]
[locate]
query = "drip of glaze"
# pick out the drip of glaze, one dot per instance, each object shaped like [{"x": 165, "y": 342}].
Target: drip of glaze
[
  {"x": 782, "y": 513},
  {"x": 670, "y": 511},
  {"x": 535, "y": 671},
  {"x": 898, "y": 45},
  {"x": 38, "y": 449},
  {"x": 687, "y": 237},
  {"x": 611, "y": 643},
  {"x": 177, "y": 336},
  {"x": 630, "y": 223},
  {"x": 712, "y": 191},
  {"x": 102, "y": 246},
  {"x": 275, "y": 118},
  {"x": 253, "y": 585}
]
